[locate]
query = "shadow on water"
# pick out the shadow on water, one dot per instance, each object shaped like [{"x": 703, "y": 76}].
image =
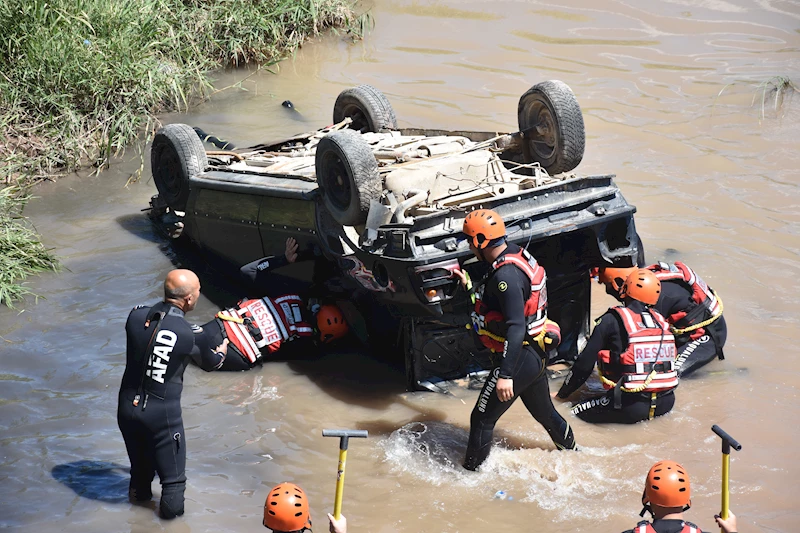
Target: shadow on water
[
  {"x": 96, "y": 480},
  {"x": 353, "y": 377}
]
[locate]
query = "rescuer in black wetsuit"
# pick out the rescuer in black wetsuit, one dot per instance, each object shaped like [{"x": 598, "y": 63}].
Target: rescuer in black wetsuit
[
  {"x": 667, "y": 495},
  {"x": 624, "y": 344},
  {"x": 677, "y": 303},
  {"x": 328, "y": 318},
  {"x": 160, "y": 343},
  {"x": 511, "y": 310}
]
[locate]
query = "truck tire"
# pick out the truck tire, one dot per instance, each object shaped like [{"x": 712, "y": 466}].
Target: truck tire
[
  {"x": 176, "y": 155},
  {"x": 551, "y": 122},
  {"x": 368, "y": 107},
  {"x": 347, "y": 174}
]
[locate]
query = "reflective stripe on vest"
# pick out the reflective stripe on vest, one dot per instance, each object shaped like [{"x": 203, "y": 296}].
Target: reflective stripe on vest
[
  {"x": 277, "y": 320},
  {"x": 651, "y": 350}
]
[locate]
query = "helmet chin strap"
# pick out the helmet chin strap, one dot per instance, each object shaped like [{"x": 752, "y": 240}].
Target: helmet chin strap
[{"x": 648, "y": 509}]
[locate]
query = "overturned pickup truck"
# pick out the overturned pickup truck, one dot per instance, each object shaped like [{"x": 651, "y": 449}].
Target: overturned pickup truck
[{"x": 385, "y": 205}]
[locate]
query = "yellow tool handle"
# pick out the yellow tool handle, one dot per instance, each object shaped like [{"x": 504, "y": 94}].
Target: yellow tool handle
[
  {"x": 726, "y": 466},
  {"x": 337, "y": 503}
]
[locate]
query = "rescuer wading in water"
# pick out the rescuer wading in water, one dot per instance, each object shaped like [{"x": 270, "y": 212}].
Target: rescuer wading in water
[
  {"x": 160, "y": 343},
  {"x": 635, "y": 354},
  {"x": 692, "y": 308},
  {"x": 510, "y": 317}
]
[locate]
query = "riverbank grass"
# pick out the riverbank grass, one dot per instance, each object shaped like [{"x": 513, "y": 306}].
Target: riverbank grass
[
  {"x": 80, "y": 80},
  {"x": 21, "y": 251}
]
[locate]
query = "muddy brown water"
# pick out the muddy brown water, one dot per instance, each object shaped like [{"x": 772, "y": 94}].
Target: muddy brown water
[{"x": 715, "y": 183}]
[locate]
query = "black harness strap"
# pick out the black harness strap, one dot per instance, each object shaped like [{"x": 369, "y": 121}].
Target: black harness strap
[{"x": 148, "y": 352}]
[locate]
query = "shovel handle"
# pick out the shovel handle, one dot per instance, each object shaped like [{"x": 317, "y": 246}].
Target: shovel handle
[
  {"x": 344, "y": 436},
  {"x": 728, "y": 442}
]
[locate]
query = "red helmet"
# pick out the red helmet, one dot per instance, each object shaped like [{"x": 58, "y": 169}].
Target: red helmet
[
  {"x": 614, "y": 276},
  {"x": 331, "y": 323},
  {"x": 642, "y": 285},
  {"x": 667, "y": 485},
  {"x": 482, "y": 226},
  {"x": 286, "y": 509}
]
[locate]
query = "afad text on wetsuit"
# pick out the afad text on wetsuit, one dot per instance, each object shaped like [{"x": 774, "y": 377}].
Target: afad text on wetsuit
[{"x": 157, "y": 364}]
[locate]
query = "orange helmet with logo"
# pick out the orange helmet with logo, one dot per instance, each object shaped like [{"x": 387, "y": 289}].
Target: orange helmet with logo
[
  {"x": 667, "y": 485},
  {"x": 614, "y": 276},
  {"x": 642, "y": 285},
  {"x": 331, "y": 323},
  {"x": 286, "y": 509},
  {"x": 482, "y": 226}
]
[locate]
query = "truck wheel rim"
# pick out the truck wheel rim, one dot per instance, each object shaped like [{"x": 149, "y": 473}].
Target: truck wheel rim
[
  {"x": 170, "y": 171},
  {"x": 360, "y": 120},
  {"x": 542, "y": 134},
  {"x": 337, "y": 182}
]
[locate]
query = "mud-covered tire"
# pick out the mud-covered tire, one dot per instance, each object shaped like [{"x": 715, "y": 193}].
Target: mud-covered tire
[
  {"x": 347, "y": 174},
  {"x": 552, "y": 125},
  {"x": 175, "y": 156},
  {"x": 368, "y": 107}
]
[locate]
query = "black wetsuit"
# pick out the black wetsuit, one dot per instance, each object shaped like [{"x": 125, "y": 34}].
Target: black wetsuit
[
  {"x": 506, "y": 290},
  {"x": 149, "y": 409},
  {"x": 665, "y": 526},
  {"x": 692, "y": 354},
  {"x": 609, "y": 334}
]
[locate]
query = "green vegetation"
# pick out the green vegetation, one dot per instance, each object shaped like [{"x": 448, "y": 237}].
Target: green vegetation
[
  {"x": 21, "y": 253},
  {"x": 80, "y": 80}
]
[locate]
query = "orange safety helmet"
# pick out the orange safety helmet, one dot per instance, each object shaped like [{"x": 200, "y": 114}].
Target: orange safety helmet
[
  {"x": 614, "y": 276},
  {"x": 331, "y": 323},
  {"x": 667, "y": 485},
  {"x": 642, "y": 285},
  {"x": 483, "y": 226},
  {"x": 286, "y": 509}
]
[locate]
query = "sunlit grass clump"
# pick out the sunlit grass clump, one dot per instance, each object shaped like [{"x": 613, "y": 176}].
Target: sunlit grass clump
[
  {"x": 21, "y": 252},
  {"x": 771, "y": 93}
]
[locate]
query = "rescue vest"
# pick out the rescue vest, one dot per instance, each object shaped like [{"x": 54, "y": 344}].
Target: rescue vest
[
  {"x": 646, "y": 527},
  {"x": 648, "y": 362},
  {"x": 264, "y": 323},
  {"x": 491, "y": 326},
  {"x": 706, "y": 307}
]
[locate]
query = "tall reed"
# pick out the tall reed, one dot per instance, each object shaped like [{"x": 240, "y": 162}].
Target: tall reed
[{"x": 79, "y": 80}]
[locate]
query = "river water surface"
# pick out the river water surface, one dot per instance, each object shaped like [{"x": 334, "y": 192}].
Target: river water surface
[{"x": 715, "y": 180}]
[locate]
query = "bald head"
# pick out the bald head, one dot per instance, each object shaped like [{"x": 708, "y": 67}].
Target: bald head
[{"x": 182, "y": 288}]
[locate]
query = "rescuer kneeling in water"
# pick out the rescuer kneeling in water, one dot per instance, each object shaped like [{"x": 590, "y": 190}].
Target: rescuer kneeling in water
[
  {"x": 259, "y": 327},
  {"x": 667, "y": 494},
  {"x": 635, "y": 354},
  {"x": 691, "y": 307},
  {"x": 510, "y": 317},
  {"x": 160, "y": 343},
  {"x": 286, "y": 511}
]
